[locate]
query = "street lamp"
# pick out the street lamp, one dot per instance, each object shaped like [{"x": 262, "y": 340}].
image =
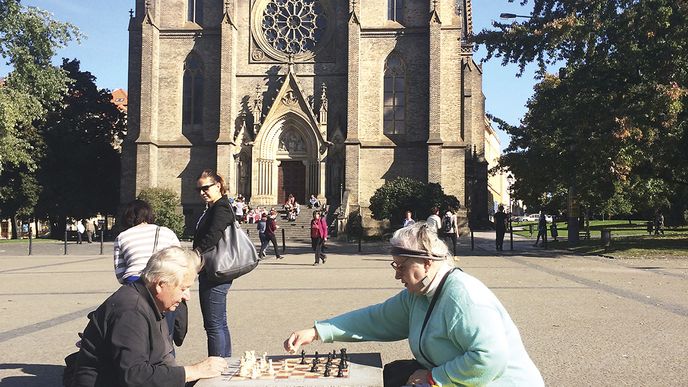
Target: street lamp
[
  {"x": 510, "y": 182},
  {"x": 506, "y": 15}
]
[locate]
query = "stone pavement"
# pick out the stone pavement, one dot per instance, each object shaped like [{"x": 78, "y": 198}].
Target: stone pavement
[{"x": 585, "y": 320}]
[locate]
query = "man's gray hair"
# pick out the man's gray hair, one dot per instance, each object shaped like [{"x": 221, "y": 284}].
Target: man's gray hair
[
  {"x": 170, "y": 265},
  {"x": 419, "y": 241}
]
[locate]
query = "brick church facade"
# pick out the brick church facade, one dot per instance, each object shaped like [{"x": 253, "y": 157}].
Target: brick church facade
[{"x": 324, "y": 97}]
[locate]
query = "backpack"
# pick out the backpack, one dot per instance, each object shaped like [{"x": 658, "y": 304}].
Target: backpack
[{"x": 446, "y": 224}]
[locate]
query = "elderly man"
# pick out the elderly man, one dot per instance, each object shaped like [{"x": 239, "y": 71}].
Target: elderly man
[{"x": 126, "y": 342}]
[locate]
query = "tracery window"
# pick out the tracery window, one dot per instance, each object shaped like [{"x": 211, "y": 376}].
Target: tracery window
[
  {"x": 195, "y": 11},
  {"x": 394, "y": 104},
  {"x": 394, "y": 9},
  {"x": 293, "y": 26},
  {"x": 192, "y": 94}
]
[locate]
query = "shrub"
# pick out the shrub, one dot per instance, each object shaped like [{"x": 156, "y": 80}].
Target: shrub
[
  {"x": 165, "y": 203},
  {"x": 395, "y": 197}
]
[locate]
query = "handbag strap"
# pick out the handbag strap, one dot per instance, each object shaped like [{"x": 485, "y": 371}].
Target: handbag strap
[
  {"x": 155, "y": 244},
  {"x": 427, "y": 315}
]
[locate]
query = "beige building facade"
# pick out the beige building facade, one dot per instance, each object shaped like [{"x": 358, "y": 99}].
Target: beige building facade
[{"x": 324, "y": 97}]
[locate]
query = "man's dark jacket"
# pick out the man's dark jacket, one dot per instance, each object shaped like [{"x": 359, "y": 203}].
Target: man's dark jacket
[{"x": 126, "y": 343}]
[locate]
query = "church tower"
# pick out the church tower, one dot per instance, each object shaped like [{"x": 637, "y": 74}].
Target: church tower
[{"x": 324, "y": 97}]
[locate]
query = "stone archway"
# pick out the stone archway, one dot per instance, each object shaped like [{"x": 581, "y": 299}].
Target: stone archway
[{"x": 287, "y": 157}]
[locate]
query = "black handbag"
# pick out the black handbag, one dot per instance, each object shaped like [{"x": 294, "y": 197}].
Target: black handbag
[{"x": 233, "y": 256}]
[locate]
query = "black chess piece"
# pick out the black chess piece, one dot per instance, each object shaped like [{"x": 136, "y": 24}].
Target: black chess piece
[
  {"x": 314, "y": 367},
  {"x": 327, "y": 370},
  {"x": 334, "y": 353},
  {"x": 303, "y": 357},
  {"x": 340, "y": 371},
  {"x": 329, "y": 358},
  {"x": 317, "y": 357}
]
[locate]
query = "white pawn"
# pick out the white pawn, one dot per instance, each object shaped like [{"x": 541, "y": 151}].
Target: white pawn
[
  {"x": 285, "y": 365},
  {"x": 255, "y": 373},
  {"x": 271, "y": 369}
]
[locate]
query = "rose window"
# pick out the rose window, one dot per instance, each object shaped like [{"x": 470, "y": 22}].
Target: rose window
[{"x": 293, "y": 26}]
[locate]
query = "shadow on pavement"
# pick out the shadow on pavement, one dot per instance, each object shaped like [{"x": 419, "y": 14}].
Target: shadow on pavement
[{"x": 38, "y": 375}]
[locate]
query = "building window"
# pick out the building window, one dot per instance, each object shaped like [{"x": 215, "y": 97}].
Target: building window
[
  {"x": 394, "y": 105},
  {"x": 195, "y": 11},
  {"x": 192, "y": 94},
  {"x": 394, "y": 10}
]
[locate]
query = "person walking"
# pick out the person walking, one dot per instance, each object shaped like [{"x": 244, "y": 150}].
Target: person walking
[
  {"x": 209, "y": 230},
  {"x": 325, "y": 229},
  {"x": 542, "y": 229},
  {"x": 450, "y": 229},
  {"x": 90, "y": 230},
  {"x": 500, "y": 227},
  {"x": 408, "y": 220},
  {"x": 317, "y": 237},
  {"x": 270, "y": 228},
  {"x": 261, "y": 226},
  {"x": 553, "y": 229},
  {"x": 80, "y": 230},
  {"x": 434, "y": 221},
  {"x": 659, "y": 223}
]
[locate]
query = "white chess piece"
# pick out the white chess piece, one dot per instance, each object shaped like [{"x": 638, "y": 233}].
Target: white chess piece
[
  {"x": 285, "y": 365},
  {"x": 255, "y": 372},
  {"x": 271, "y": 369}
]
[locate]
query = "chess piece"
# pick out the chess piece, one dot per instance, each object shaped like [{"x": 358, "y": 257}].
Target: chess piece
[
  {"x": 329, "y": 358},
  {"x": 340, "y": 371},
  {"x": 327, "y": 370},
  {"x": 285, "y": 365},
  {"x": 314, "y": 367},
  {"x": 271, "y": 368},
  {"x": 317, "y": 357},
  {"x": 255, "y": 372},
  {"x": 303, "y": 357}
]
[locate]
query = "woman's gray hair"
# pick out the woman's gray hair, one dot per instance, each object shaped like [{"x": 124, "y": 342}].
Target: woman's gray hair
[
  {"x": 419, "y": 241},
  {"x": 171, "y": 265}
]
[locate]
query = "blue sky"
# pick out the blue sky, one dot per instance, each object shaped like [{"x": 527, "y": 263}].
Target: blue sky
[{"x": 104, "y": 50}]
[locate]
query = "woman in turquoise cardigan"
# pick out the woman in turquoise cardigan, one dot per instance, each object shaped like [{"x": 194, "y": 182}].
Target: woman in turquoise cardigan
[{"x": 467, "y": 339}]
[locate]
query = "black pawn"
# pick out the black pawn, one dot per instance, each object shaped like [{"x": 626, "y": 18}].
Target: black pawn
[
  {"x": 314, "y": 367},
  {"x": 317, "y": 358},
  {"x": 340, "y": 371},
  {"x": 327, "y": 370},
  {"x": 303, "y": 357},
  {"x": 329, "y": 358}
]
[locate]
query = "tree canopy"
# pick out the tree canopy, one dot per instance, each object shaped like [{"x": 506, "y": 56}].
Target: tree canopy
[
  {"x": 29, "y": 39},
  {"x": 611, "y": 122}
]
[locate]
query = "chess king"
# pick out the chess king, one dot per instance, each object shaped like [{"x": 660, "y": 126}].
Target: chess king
[{"x": 458, "y": 331}]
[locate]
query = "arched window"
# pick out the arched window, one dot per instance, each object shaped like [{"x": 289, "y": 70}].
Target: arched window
[
  {"x": 195, "y": 11},
  {"x": 192, "y": 94},
  {"x": 394, "y": 105},
  {"x": 394, "y": 9}
]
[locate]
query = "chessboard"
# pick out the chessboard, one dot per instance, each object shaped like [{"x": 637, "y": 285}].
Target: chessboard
[{"x": 312, "y": 369}]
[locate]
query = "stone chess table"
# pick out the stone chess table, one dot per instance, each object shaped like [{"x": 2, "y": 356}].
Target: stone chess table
[{"x": 365, "y": 369}]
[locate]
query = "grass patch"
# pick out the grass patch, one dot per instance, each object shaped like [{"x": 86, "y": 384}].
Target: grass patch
[
  {"x": 26, "y": 241},
  {"x": 632, "y": 247}
]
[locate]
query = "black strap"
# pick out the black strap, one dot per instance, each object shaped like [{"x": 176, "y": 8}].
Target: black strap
[
  {"x": 155, "y": 244},
  {"x": 427, "y": 315}
]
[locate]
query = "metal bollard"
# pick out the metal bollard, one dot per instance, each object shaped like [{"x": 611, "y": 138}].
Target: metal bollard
[
  {"x": 30, "y": 240},
  {"x": 101, "y": 241},
  {"x": 65, "y": 242},
  {"x": 511, "y": 238},
  {"x": 284, "y": 243},
  {"x": 472, "y": 241}
]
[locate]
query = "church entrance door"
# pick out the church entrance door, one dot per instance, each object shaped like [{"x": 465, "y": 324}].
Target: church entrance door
[{"x": 291, "y": 179}]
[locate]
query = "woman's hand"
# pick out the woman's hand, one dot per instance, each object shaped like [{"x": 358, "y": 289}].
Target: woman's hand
[
  {"x": 299, "y": 338},
  {"x": 419, "y": 377}
]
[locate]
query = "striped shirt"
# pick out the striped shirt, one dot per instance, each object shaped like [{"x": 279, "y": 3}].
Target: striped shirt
[{"x": 133, "y": 248}]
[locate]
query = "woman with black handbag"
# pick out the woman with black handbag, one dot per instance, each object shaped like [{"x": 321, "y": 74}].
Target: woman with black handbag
[
  {"x": 458, "y": 331},
  {"x": 209, "y": 230}
]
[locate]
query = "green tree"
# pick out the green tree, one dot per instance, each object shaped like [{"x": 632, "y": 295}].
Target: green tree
[
  {"x": 614, "y": 116},
  {"x": 80, "y": 171},
  {"x": 165, "y": 204},
  {"x": 29, "y": 38},
  {"x": 397, "y": 196}
]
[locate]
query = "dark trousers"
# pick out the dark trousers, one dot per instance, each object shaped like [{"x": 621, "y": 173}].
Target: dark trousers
[
  {"x": 213, "y": 299},
  {"x": 451, "y": 237},
  {"x": 317, "y": 244},
  {"x": 397, "y": 373},
  {"x": 500, "y": 239},
  {"x": 264, "y": 241}
]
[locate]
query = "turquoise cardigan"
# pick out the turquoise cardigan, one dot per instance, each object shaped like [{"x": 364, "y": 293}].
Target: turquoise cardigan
[{"x": 470, "y": 336}]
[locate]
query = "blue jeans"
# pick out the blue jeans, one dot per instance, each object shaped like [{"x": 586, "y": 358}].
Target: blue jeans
[{"x": 214, "y": 309}]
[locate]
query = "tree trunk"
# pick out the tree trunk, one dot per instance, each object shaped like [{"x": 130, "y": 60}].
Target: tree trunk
[{"x": 15, "y": 235}]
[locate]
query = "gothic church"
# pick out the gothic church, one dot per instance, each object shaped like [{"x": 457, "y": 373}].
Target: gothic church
[{"x": 324, "y": 97}]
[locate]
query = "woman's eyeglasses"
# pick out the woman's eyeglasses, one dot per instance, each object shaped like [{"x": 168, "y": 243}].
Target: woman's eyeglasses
[
  {"x": 205, "y": 188},
  {"x": 398, "y": 266}
]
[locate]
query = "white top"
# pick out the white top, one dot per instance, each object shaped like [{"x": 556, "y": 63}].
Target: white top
[
  {"x": 133, "y": 248},
  {"x": 434, "y": 222}
]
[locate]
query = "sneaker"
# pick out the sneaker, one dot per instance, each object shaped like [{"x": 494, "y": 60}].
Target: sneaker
[
  {"x": 279, "y": 257},
  {"x": 316, "y": 263}
]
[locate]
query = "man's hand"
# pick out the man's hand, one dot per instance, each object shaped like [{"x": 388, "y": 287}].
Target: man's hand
[
  {"x": 419, "y": 377},
  {"x": 208, "y": 368},
  {"x": 299, "y": 338}
]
